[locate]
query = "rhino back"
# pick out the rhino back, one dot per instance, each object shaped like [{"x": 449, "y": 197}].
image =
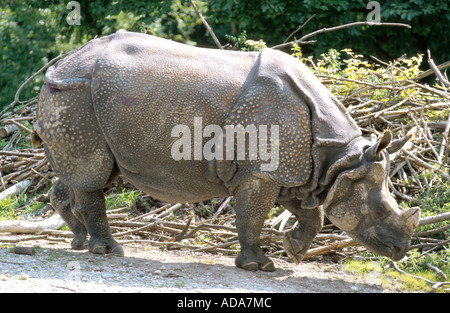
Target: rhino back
[
  {"x": 144, "y": 86},
  {"x": 75, "y": 70}
]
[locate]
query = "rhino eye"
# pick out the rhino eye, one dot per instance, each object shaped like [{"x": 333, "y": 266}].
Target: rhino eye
[{"x": 379, "y": 212}]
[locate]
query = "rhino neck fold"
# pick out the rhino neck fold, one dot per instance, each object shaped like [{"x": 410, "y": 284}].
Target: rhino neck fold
[
  {"x": 329, "y": 162},
  {"x": 340, "y": 159}
]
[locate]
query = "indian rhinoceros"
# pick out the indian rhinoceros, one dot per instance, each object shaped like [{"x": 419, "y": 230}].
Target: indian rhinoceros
[{"x": 111, "y": 107}]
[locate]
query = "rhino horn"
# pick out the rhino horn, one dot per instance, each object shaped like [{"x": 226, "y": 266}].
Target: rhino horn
[{"x": 412, "y": 217}]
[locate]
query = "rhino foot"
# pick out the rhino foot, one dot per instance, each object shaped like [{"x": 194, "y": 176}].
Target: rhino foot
[
  {"x": 295, "y": 248},
  {"x": 79, "y": 243},
  {"x": 115, "y": 249},
  {"x": 254, "y": 264},
  {"x": 112, "y": 248},
  {"x": 297, "y": 241}
]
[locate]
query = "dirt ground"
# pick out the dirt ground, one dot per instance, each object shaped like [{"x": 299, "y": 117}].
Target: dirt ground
[{"x": 57, "y": 268}]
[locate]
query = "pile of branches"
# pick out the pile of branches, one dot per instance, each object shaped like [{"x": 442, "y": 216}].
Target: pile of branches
[
  {"x": 430, "y": 146},
  {"x": 183, "y": 226}
]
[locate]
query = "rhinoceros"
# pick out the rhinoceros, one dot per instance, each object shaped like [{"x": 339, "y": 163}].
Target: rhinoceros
[{"x": 119, "y": 104}]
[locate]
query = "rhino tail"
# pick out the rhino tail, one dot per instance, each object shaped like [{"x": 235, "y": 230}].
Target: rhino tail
[{"x": 36, "y": 140}]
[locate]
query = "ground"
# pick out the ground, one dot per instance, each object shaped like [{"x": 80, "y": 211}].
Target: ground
[{"x": 57, "y": 268}]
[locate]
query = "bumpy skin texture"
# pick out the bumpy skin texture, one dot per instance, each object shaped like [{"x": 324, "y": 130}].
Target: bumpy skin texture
[{"x": 111, "y": 105}]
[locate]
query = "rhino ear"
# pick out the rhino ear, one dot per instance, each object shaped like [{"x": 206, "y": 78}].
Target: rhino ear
[
  {"x": 399, "y": 143},
  {"x": 373, "y": 153}
]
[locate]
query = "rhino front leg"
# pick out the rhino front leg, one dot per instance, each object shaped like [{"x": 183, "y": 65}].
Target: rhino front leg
[
  {"x": 254, "y": 199},
  {"x": 62, "y": 200},
  {"x": 90, "y": 208},
  {"x": 310, "y": 221}
]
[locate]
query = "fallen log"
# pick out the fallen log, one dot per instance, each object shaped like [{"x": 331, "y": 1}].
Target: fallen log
[
  {"x": 16, "y": 189},
  {"x": 8, "y": 130},
  {"x": 27, "y": 227},
  {"x": 434, "y": 219},
  {"x": 338, "y": 245}
]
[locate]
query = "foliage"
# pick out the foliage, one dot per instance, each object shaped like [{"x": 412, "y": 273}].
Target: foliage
[
  {"x": 18, "y": 206},
  {"x": 381, "y": 268},
  {"x": 8, "y": 207},
  {"x": 242, "y": 43},
  {"x": 274, "y": 20},
  {"x": 127, "y": 198},
  {"x": 355, "y": 69},
  {"x": 34, "y": 32},
  {"x": 27, "y": 37},
  {"x": 432, "y": 200}
]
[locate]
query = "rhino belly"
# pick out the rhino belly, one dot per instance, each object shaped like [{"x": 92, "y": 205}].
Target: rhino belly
[{"x": 187, "y": 181}]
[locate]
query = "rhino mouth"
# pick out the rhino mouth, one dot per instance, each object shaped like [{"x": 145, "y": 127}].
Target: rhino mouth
[
  {"x": 392, "y": 251},
  {"x": 384, "y": 246}
]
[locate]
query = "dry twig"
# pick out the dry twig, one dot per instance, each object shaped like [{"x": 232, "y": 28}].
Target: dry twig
[
  {"x": 436, "y": 70},
  {"x": 435, "y": 285}
]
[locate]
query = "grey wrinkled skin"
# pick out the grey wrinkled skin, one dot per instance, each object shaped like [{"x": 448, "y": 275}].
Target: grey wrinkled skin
[{"x": 109, "y": 108}]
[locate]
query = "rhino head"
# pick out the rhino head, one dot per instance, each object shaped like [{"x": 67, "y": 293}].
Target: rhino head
[{"x": 359, "y": 203}]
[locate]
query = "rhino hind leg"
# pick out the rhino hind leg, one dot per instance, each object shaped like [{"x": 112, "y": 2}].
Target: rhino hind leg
[
  {"x": 85, "y": 213},
  {"x": 310, "y": 221},
  {"x": 80, "y": 156},
  {"x": 254, "y": 199},
  {"x": 62, "y": 201},
  {"x": 90, "y": 209}
]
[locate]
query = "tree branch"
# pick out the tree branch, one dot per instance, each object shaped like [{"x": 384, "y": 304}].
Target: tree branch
[
  {"x": 430, "y": 71},
  {"x": 436, "y": 70},
  {"x": 298, "y": 29},
  {"x": 326, "y": 30},
  {"x": 434, "y": 219},
  {"x": 206, "y": 25}
]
